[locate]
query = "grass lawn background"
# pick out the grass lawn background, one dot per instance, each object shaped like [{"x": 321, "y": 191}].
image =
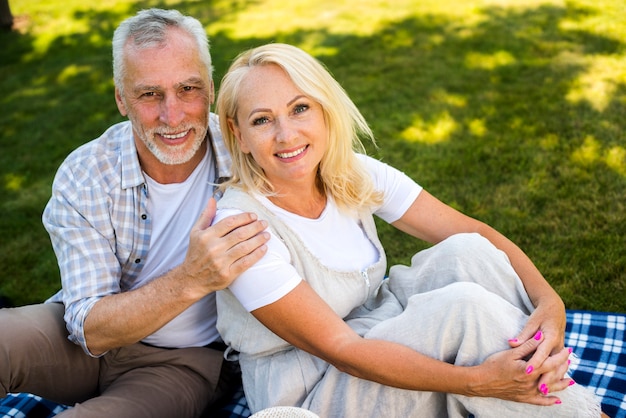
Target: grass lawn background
[{"x": 511, "y": 111}]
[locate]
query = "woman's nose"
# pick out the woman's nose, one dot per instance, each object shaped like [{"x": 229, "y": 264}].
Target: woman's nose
[{"x": 286, "y": 132}]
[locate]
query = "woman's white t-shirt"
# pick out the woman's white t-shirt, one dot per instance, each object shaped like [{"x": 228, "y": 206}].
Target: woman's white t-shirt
[{"x": 335, "y": 238}]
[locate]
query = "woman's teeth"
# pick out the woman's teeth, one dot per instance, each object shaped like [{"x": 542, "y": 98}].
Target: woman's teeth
[{"x": 291, "y": 154}]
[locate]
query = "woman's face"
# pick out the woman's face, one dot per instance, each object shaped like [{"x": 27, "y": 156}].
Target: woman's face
[{"x": 283, "y": 129}]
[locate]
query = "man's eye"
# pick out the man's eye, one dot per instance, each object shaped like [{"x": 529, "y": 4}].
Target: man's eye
[
  {"x": 149, "y": 94},
  {"x": 260, "y": 121}
]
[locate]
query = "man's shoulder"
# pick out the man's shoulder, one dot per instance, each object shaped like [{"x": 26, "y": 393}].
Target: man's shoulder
[
  {"x": 111, "y": 140},
  {"x": 95, "y": 158}
]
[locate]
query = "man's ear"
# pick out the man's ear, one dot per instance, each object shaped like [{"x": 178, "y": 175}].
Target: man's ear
[
  {"x": 120, "y": 102},
  {"x": 212, "y": 93}
]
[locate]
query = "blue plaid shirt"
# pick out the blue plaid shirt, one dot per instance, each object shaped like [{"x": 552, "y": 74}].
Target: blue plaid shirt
[{"x": 98, "y": 221}]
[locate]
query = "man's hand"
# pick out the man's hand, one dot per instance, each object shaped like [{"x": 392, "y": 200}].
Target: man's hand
[{"x": 219, "y": 253}]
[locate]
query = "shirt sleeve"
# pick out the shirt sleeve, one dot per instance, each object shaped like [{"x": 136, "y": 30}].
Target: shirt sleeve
[
  {"x": 271, "y": 278},
  {"x": 78, "y": 219},
  {"x": 400, "y": 191}
]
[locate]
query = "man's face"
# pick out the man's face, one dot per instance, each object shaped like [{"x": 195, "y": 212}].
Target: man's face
[{"x": 167, "y": 96}]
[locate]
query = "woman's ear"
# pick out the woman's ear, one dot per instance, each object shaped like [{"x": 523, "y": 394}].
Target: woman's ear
[
  {"x": 212, "y": 93},
  {"x": 234, "y": 128}
]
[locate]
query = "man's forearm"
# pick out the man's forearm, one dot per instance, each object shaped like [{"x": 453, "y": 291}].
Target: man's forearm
[{"x": 126, "y": 318}]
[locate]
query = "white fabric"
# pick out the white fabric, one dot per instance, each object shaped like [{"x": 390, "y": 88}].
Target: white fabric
[
  {"x": 284, "y": 412},
  {"x": 174, "y": 208},
  {"x": 459, "y": 302},
  {"x": 348, "y": 249}
]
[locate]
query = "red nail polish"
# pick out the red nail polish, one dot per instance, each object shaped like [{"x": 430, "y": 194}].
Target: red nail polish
[
  {"x": 538, "y": 335},
  {"x": 529, "y": 369},
  {"x": 572, "y": 382},
  {"x": 558, "y": 402},
  {"x": 513, "y": 340}
]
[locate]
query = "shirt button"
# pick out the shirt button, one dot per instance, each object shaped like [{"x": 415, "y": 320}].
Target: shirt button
[
  {"x": 144, "y": 216},
  {"x": 137, "y": 261}
]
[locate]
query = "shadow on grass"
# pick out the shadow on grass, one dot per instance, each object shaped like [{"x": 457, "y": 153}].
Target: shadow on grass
[{"x": 481, "y": 115}]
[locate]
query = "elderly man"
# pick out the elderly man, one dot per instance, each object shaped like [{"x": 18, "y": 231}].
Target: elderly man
[{"x": 132, "y": 332}]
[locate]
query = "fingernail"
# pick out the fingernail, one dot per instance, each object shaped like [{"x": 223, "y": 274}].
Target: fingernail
[
  {"x": 572, "y": 382},
  {"x": 513, "y": 340},
  {"x": 538, "y": 335},
  {"x": 569, "y": 362},
  {"x": 570, "y": 350},
  {"x": 558, "y": 402},
  {"x": 543, "y": 389},
  {"x": 529, "y": 369}
]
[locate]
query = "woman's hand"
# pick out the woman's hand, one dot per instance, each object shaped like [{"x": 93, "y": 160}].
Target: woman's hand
[
  {"x": 508, "y": 375},
  {"x": 549, "y": 320}
]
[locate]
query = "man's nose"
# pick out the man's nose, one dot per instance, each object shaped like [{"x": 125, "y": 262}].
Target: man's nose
[{"x": 172, "y": 111}]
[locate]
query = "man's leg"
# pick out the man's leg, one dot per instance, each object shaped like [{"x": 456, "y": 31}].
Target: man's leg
[
  {"x": 145, "y": 381},
  {"x": 36, "y": 356}
]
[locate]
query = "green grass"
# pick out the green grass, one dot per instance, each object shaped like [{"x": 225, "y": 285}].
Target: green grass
[{"x": 511, "y": 111}]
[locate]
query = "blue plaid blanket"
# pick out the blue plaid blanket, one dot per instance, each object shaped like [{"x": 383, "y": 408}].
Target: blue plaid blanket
[{"x": 597, "y": 339}]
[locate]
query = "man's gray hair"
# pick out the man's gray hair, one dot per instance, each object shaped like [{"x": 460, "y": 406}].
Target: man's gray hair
[{"x": 147, "y": 29}]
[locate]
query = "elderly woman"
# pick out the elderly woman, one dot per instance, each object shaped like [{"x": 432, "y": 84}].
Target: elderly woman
[{"x": 471, "y": 327}]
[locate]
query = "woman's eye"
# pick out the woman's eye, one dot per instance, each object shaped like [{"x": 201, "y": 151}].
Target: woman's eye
[
  {"x": 300, "y": 108},
  {"x": 260, "y": 121}
]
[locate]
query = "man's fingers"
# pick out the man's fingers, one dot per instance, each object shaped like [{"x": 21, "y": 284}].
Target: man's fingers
[
  {"x": 235, "y": 226},
  {"x": 248, "y": 253},
  {"x": 207, "y": 215}
]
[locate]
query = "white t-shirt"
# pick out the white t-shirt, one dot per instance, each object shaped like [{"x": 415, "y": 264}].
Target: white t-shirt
[
  {"x": 174, "y": 208},
  {"x": 335, "y": 238}
]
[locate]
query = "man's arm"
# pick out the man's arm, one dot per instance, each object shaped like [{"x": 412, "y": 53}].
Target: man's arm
[{"x": 217, "y": 254}]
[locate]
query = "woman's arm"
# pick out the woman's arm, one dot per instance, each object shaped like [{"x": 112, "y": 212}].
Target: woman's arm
[
  {"x": 433, "y": 221},
  {"x": 303, "y": 319}
]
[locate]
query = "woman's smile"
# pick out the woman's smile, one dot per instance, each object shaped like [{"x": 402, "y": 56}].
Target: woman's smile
[{"x": 291, "y": 155}]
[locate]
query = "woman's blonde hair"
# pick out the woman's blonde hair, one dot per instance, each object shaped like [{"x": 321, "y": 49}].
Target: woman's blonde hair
[{"x": 340, "y": 173}]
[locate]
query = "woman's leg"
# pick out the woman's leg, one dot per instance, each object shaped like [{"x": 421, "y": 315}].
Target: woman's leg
[
  {"x": 460, "y": 258},
  {"x": 461, "y": 323}
]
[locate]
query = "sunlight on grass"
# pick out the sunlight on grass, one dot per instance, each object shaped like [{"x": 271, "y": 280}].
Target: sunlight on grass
[
  {"x": 525, "y": 3},
  {"x": 524, "y": 100},
  {"x": 616, "y": 159},
  {"x": 591, "y": 152},
  {"x": 356, "y": 18},
  {"x": 13, "y": 182},
  {"x": 436, "y": 132},
  {"x": 489, "y": 61},
  {"x": 477, "y": 127},
  {"x": 595, "y": 20},
  {"x": 588, "y": 153},
  {"x": 305, "y": 16},
  {"x": 72, "y": 71},
  {"x": 598, "y": 83}
]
